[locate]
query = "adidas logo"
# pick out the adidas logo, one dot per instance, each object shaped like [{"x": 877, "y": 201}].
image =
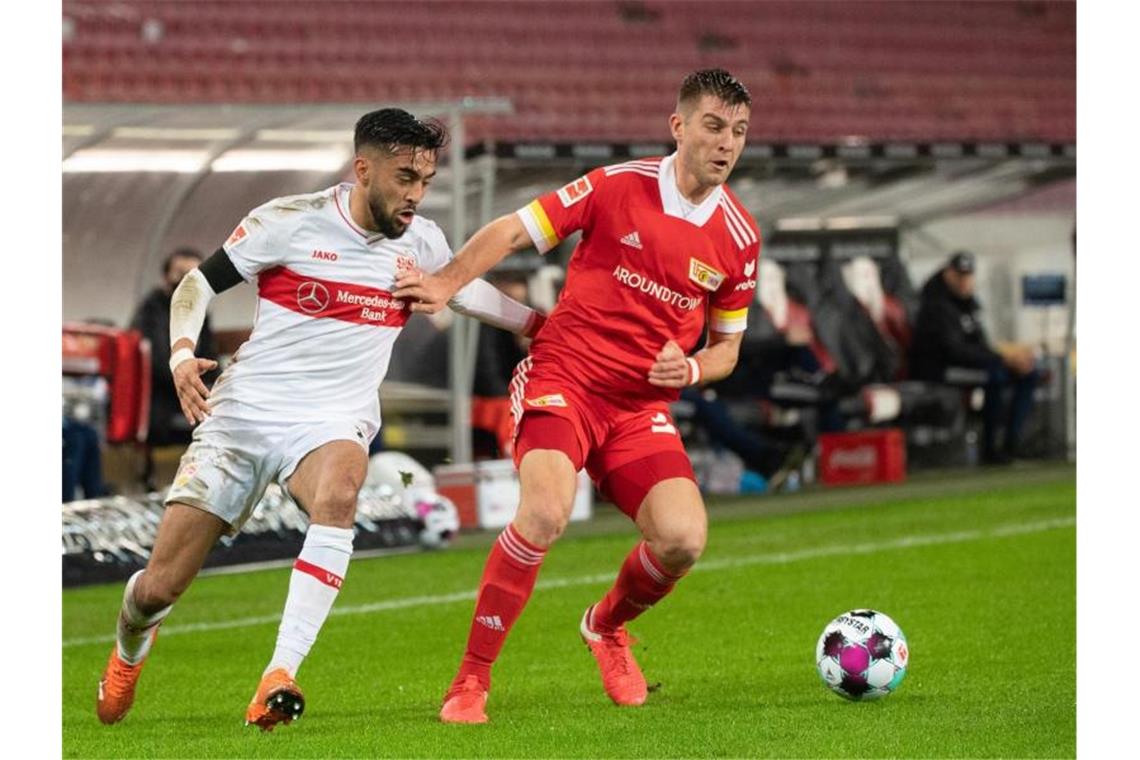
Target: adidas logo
[
  {"x": 633, "y": 240},
  {"x": 491, "y": 621}
]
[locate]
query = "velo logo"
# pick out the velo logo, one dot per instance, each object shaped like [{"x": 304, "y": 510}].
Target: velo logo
[{"x": 312, "y": 297}]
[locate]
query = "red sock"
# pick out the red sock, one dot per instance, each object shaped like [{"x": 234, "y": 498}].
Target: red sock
[
  {"x": 508, "y": 579},
  {"x": 641, "y": 583}
]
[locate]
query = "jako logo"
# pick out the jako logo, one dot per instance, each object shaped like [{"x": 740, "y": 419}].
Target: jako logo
[
  {"x": 312, "y": 297},
  {"x": 325, "y": 255}
]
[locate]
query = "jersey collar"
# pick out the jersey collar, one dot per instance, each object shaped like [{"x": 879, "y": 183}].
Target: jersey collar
[
  {"x": 342, "y": 206},
  {"x": 671, "y": 196}
]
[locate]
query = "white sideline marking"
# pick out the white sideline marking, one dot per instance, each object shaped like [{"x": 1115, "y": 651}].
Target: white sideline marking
[{"x": 779, "y": 558}]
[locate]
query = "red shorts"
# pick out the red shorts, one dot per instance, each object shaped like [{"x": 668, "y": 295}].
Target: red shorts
[{"x": 626, "y": 448}]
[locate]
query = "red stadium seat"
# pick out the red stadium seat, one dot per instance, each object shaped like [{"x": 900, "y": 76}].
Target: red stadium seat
[{"x": 820, "y": 71}]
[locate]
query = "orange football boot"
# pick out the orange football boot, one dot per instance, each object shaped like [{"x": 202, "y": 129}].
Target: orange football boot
[
  {"x": 465, "y": 703},
  {"x": 117, "y": 686},
  {"x": 621, "y": 676},
  {"x": 278, "y": 700}
]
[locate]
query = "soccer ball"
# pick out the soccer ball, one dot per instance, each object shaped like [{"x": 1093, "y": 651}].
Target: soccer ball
[{"x": 862, "y": 655}]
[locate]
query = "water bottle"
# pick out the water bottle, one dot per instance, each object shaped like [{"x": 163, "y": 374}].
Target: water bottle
[
  {"x": 793, "y": 482},
  {"x": 972, "y": 448}
]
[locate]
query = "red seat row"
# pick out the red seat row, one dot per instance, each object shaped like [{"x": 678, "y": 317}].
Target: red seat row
[{"x": 818, "y": 70}]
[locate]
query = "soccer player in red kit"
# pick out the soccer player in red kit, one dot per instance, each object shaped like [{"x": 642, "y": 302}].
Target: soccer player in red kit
[{"x": 666, "y": 250}]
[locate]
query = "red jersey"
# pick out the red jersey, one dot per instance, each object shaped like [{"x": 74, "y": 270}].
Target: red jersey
[{"x": 650, "y": 267}]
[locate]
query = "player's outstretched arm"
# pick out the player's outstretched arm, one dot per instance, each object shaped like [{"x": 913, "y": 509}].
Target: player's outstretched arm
[
  {"x": 672, "y": 369},
  {"x": 429, "y": 293},
  {"x": 481, "y": 300},
  {"x": 187, "y": 314}
]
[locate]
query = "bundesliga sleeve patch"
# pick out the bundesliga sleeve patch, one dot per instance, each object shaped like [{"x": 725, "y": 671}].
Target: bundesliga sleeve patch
[
  {"x": 575, "y": 191},
  {"x": 238, "y": 236}
]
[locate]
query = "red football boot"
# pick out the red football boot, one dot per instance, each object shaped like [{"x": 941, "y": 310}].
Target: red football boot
[
  {"x": 621, "y": 676},
  {"x": 465, "y": 703}
]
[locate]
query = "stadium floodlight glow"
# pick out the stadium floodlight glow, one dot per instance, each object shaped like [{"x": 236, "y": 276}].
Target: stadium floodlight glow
[
  {"x": 305, "y": 135},
  {"x": 172, "y": 133},
  {"x": 253, "y": 160},
  {"x": 861, "y": 222},
  {"x": 799, "y": 224},
  {"x": 97, "y": 160}
]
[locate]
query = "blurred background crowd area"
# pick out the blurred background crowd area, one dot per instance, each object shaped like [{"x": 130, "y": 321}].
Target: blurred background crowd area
[{"x": 911, "y": 165}]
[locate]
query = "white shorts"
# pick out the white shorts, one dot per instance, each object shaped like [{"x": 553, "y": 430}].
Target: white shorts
[{"x": 231, "y": 462}]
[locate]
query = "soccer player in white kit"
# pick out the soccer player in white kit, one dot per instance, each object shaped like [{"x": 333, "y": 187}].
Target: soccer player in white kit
[{"x": 299, "y": 404}]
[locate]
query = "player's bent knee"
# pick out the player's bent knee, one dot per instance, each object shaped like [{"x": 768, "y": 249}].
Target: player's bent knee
[
  {"x": 336, "y": 504},
  {"x": 541, "y": 520},
  {"x": 680, "y": 551}
]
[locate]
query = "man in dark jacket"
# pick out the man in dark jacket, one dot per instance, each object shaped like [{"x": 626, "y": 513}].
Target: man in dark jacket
[
  {"x": 497, "y": 354},
  {"x": 152, "y": 319},
  {"x": 949, "y": 334}
]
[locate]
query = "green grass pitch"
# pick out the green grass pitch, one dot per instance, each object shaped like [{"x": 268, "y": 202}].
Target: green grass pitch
[{"x": 979, "y": 571}]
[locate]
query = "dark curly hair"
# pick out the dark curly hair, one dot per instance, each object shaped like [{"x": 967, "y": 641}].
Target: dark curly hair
[
  {"x": 391, "y": 129},
  {"x": 716, "y": 82}
]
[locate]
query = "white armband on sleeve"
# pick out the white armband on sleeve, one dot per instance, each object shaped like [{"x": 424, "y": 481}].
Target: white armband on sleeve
[
  {"x": 483, "y": 301},
  {"x": 188, "y": 307},
  {"x": 694, "y": 370}
]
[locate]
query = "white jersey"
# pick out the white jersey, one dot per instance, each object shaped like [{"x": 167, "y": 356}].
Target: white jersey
[{"x": 326, "y": 319}]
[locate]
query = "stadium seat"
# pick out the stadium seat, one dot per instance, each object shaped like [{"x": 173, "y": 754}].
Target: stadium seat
[{"x": 981, "y": 71}]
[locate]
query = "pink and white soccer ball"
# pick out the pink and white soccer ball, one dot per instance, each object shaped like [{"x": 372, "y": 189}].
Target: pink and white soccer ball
[{"x": 862, "y": 655}]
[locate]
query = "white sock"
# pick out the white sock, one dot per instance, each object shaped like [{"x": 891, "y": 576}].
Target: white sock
[
  {"x": 134, "y": 629},
  {"x": 313, "y": 586}
]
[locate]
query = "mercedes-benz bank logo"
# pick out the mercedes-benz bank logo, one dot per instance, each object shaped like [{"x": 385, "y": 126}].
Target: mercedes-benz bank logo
[{"x": 312, "y": 297}]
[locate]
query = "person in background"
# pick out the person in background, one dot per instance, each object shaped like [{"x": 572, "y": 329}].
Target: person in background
[
  {"x": 949, "y": 333},
  {"x": 152, "y": 319},
  {"x": 772, "y": 459},
  {"x": 82, "y": 460},
  {"x": 497, "y": 355}
]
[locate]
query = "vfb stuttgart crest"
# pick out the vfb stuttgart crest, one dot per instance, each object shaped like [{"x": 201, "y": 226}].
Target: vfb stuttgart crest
[{"x": 312, "y": 297}]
